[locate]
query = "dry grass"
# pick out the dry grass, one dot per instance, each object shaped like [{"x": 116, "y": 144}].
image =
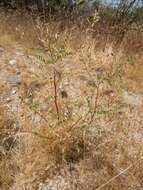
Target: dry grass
[
  {"x": 96, "y": 140},
  {"x": 8, "y": 142}
]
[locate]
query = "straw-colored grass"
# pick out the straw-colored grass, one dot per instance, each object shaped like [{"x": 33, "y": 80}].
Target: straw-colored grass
[{"x": 87, "y": 137}]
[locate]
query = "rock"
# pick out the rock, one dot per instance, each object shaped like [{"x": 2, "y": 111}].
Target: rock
[
  {"x": 18, "y": 73},
  {"x": 13, "y": 92},
  {"x": 64, "y": 94},
  {"x": 1, "y": 50},
  {"x": 8, "y": 100},
  {"x": 57, "y": 183},
  {"x": 12, "y": 62},
  {"x": 14, "y": 80},
  {"x": 133, "y": 99}
]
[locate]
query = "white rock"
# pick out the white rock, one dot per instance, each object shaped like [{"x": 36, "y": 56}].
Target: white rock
[
  {"x": 133, "y": 99},
  {"x": 1, "y": 50},
  {"x": 12, "y": 62},
  {"x": 58, "y": 183},
  {"x": 13, "y": 92},
  {"x": 8, "y": 99}
]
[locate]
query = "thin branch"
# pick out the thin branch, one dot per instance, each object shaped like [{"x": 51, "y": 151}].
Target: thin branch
[
  {"x": 95, "y": 104},
  {"x": 118, "y": 175},
  {"x": 56, "y": 96}
]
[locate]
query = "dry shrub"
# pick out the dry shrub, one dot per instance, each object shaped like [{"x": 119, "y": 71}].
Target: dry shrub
[
  {"x": 85, "y": 162},
  {"x": 91, "y": 152}
]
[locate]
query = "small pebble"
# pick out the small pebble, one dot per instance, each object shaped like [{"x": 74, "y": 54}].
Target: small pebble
[
  {"x": 18, "y": 73},
  {"x": 14, "y": 80},
  {"x": 1, "y": 50},
  {"x": 13, "y": 92},
  {"x": 133, "y": 99},
  {"x": 12, "y": 62},
  {"x": 8, "y": 99},
  {"x": 64, "y": 94}
]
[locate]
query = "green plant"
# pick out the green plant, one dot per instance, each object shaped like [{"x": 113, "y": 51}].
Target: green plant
[
  {"x": 33, "y": 105},
  {"x": 54, "y": 55}
]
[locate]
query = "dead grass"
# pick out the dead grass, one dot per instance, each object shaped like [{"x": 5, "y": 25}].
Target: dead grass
[
  {"x": 8, "y": 165},
  {"x": 97, "y": 141}
]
